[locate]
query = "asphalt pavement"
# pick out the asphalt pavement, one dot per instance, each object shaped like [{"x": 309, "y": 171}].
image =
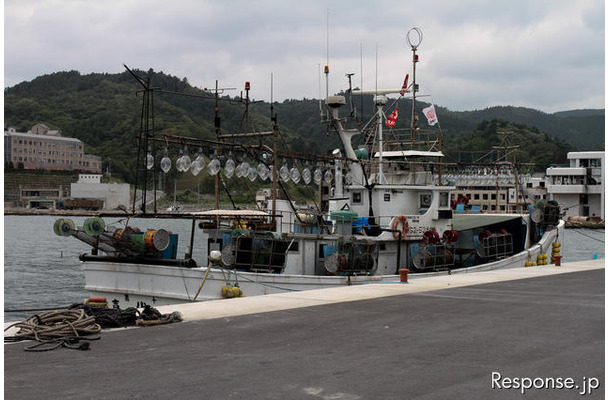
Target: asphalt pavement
[{"x": 488, "y": 340}]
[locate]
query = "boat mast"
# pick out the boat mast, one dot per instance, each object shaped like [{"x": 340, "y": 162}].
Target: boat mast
[
  {"x": 414, "y": 38},
  {"x": 380, "y": 101},
  {"x": 145, "y": 139}
]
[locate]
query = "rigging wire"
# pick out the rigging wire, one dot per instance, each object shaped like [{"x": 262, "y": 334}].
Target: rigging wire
[{"x": 590, "y": 237}]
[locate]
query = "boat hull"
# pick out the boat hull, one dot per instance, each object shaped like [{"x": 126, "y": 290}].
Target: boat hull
[{"x": 133, "y": 285}]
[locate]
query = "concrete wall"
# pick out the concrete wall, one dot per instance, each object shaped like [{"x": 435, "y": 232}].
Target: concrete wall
[{"x": 113, "y": 194}]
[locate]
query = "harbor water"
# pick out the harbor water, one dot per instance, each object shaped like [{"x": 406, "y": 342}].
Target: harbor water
[{"x": 42, "y": 270}]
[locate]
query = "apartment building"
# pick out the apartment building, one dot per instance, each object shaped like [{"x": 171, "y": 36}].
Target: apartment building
[
  {"x": 44, "y": 149},
  {"x": 579, "y": 188}
]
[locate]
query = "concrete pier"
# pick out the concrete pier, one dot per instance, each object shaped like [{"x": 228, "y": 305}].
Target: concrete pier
[{"x": 445, "y": 337}]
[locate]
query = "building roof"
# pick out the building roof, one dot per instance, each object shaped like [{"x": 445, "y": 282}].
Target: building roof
[
  {"x": 584, "y": 154},
  {"x": 35, "y": 136}
]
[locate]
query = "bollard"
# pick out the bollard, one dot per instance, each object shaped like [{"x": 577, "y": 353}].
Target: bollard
[
  {"x": 557, "y": 258},
  {"x": 404, "y": 274}
]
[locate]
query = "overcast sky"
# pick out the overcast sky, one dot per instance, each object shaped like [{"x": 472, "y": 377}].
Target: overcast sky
[{"x": 543, "y": 54}]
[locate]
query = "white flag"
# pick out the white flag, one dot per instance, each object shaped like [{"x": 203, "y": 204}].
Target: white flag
[{"x": 430, "y": 113}]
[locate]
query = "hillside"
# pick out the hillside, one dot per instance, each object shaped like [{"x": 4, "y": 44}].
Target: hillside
[
  {"x": 584, "y": 129},
  {"x": 103, "y": 110}
]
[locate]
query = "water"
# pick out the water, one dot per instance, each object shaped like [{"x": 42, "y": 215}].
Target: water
[{"x": 42, "y": 269}]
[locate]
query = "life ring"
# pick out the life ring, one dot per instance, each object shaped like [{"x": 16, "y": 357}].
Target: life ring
[{"x": 405, "y": 226}]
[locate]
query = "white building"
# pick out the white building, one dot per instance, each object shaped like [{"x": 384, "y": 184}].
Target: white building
[
  {"x": 579, "y": 188},
  {"x": 89, "y": 186}
]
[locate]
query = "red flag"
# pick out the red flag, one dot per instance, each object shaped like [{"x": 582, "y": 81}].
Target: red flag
[
  {"x": 391, "y": 120},
  {"x": 403, "y": 90}
]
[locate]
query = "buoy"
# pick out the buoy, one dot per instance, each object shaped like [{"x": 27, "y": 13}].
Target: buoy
[
  {"x": 530, "y": 263},
  {"x": 97, "y": 301},
  {"x": 229, "y": 292}
]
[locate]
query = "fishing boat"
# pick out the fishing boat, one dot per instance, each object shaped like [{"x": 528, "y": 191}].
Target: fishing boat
[{"x": 384, "y": 210}]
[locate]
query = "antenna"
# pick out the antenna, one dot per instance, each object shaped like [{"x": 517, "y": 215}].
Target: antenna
[
  {"x": 376, "y": 64},
  {"x": 273, "y": 117},
  {"x": 361, "y": 84},
  {"x": 327, "y": 35},
  {"x": 320, "y": 92},
  {"x": 326, "y": 67}
]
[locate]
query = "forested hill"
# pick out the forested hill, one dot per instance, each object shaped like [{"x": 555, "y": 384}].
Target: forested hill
[{"x": 103, "y": 110}]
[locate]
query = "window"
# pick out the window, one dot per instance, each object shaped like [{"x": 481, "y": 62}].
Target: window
[
  {"x": 485, "y": 196},
  {"x": 387, "y": 197},
  {"x": 444, "y": 199},
  {"x": 493, "y": 196},
  {"x": 425, "y": 200},
  {"x": 357, "y": 198},
  {"x": 294, "y": 246}
]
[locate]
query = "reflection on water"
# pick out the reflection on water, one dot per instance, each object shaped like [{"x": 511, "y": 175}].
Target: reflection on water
[{"x": 42, "y": 269}]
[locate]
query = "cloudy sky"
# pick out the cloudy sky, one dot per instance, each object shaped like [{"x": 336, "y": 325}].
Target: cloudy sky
[{"x": 543, "y": 54}]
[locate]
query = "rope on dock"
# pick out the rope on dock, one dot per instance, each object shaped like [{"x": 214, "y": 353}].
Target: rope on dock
[
  {"x": 109, "y": 317},
  {"x": 55, "y": 328}
]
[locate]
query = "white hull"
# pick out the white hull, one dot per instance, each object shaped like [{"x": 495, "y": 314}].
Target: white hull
[{"x": 132, "y": 284}]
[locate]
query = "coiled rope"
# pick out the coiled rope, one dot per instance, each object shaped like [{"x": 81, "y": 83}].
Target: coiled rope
[{"x": 54, "y": 325}]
